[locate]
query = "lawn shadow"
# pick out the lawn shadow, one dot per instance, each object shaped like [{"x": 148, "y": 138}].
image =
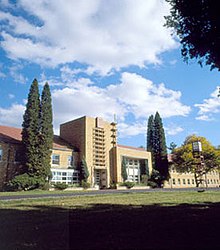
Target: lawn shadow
[{"x": 104, "y": 226}]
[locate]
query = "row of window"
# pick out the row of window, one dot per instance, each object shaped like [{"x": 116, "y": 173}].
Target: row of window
[
  {"x": 65, "y": 176},
  {"x": 191, "y": 181},
  {"x": 212, "y": 172}
]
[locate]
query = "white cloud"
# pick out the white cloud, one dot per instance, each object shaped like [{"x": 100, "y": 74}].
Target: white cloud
[
  {"x": 127, "y": 130},
  {"x": 12, "y": 116},
  {"x": 209, "y": 107},
  {"x": 133, "y": 95},
  {"x": 173, "y": 129},
  {"x": 16, "y": 75},
  {"x": 103, "y": 34},
  {"x": 143, "y": 98}
]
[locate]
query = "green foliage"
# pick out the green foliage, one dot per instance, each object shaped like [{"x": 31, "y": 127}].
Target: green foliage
[
  {"x": 83, "y": 171},
  {"x": 85, "y": 184},
  {"x": 46, "y": 131},
  {"x": 113, "y": 185},
  {"x": 129, "y": 184},
  {"x": 197, "y": 24},
  {"x": 184, "y": 160},
  {"x": 37, "y": 133},
  {"x": 60, "y": 186},
  {"x": 152, "y": 184},
  {"x": 156, "y": 143},
  {"x": 25, "y": 182},
  {"x": 123, "y": 169},
  {"x": 155, "y": 177},
  {"x": 30, "y": 130},
  {"x": 150, "y": 133},
  {"x": 144, "y": 179}
]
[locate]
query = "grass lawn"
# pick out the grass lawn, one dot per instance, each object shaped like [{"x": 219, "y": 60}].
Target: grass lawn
[{"x": 157, "y": 220}]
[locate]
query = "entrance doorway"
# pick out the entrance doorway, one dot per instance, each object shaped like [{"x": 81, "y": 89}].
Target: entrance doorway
[{"x": 100, "y": 178}]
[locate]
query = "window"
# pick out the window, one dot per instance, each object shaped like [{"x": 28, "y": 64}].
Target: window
[
  {"x": 174, "y": 182},
  {"x": 70, "y": 160},
  {"x": 1, "y": 152},
  {"x": 55, "y": 159},
  {"x": 184, "y": 181},
  {"x": 188, "y": 181},
  {"x": 68, "y": 176},
  {"x": 193, "y": 182},
  {"x": 179, "y": 182}
]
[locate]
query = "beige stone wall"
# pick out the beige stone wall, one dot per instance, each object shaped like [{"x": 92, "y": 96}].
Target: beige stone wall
[
  {"x": 130, "y": 153},
  {"x": 91, "y": 124},
  {"x": 74, "y": 133},
  {"x": 64, "y": 153},
  {"x": 187, "y": 180}
]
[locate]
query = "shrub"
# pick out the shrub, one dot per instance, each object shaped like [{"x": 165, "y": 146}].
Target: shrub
[
  {"x": 85, "y": 184},
  {"x": 113, "y": 185},
  {"x": 25, "y": 182},
  {"x": 152, "y": 184},
  {"x": 129, "y": 184},
  {"x": 60, "y": 186}
]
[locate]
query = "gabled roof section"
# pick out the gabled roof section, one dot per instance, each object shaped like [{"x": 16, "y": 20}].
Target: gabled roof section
[
  {"x": 10, "y": 134},
  {"x": 13, "y": 135}
]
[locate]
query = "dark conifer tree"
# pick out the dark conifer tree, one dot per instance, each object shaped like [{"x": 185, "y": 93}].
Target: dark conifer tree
[
  {"x": 150, "y": 137},
  {"x": 156, "y": 144},
  {"x": 46, "y": 132},
  {"x": 159, "y": 148},
  {"x": 124, "y": 170},
  {"x": 83, "y": 171},
  {"x": 30, "y": 130}
]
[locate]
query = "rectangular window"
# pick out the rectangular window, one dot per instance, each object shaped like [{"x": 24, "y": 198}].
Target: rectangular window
[
  {"x": 184, "y": 181},
  {"x": 193, "y": 182},
  {"x": 188, "y": 181},
  {"x": 1, "y": 152},
  {"x": 174, "y": 182},
  {"x": 55, "y": 159},
  {"x": 70, "y": 160},
  {"x": 179, "y": 182}
]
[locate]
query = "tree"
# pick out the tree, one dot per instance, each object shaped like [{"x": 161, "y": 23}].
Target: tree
[
  {"x": 197, "y": 24},
  {"x": 30, "y": 130},
  {"x": 156, "y": 144},
  {"x": 46, "y": 132},
  {"x": 172, "y": 146},
  {"x": 150, "y": 133},
  {"x": 160, "y": 148},
  {"x": 124, "y": 169},
  {"x": 184, "y": 161},
  {"x": 83, "y": 171}
]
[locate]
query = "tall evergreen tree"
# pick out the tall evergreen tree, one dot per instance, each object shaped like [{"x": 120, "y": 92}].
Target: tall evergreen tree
[
  {"x": 46, "y": 132},
  {"x": 30, "y": 130},
  {"x": 150, "y": 137},
  {"x": 156, "y": 144},
  {"x": 124, "y": 169},
  {"x": 150, "y": 133},
  {"x": 160, "y": 149}
]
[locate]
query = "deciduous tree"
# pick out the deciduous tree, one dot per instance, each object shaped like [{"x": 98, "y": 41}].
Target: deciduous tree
[
  {"x": 184, "y": 160},
  {"x": 197, "y": 24}
]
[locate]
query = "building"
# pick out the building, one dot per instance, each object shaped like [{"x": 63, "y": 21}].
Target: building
[
  {"x": 187, "y": 179},
  {"x": 92, "y": 139}
]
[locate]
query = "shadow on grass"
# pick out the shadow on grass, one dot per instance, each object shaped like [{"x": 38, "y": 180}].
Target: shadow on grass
[{"x": 104, "y": 226}]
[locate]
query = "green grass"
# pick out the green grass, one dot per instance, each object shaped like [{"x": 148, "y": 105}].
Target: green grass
[{"x": 157, "y": 220}]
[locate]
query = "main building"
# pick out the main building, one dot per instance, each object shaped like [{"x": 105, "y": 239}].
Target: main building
[{"x": 92, "y": 139}]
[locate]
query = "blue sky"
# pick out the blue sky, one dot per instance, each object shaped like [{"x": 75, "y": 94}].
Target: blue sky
[{"x": 102, "y": 58}]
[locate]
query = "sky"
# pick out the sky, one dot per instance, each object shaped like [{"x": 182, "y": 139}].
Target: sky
[{"x": 105, "y": 58}]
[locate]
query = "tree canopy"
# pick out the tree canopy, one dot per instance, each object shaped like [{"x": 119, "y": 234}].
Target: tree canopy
[
  {"x": 197, "y": 24},
  {"x": 184, "y": 160}
]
